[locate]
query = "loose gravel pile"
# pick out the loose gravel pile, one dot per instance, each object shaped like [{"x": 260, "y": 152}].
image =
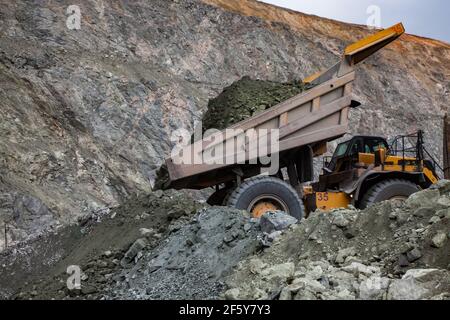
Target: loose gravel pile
[
  {"x": 245, "y": 98},
  {"x": 388, "y": 251},
  {"x": 167, "y": 246}
]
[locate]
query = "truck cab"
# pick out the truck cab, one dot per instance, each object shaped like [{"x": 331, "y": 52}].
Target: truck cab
[{"x": 348, "y": 154}]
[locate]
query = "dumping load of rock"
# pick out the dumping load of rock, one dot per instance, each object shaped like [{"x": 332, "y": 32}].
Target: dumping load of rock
[
  {"x": 239, "y": 101},
  {"x": 245, "y": 98}
]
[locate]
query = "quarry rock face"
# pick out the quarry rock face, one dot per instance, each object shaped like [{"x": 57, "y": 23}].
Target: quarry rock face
[{"x": 86, "y": 115}]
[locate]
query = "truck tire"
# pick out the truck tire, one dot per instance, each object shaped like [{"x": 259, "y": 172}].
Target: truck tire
[
  {"x": 388, "y": 190},
  {"x": 261, "y": 194},
  {"x": 218, "y": 198}
]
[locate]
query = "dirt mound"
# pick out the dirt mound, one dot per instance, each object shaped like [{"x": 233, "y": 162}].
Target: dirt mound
[
  {"x": 191, "y": 262},
  {"x": 245, "y": 98},
  {"x": 351, "y": 254},
  {"x": 97, "y": 244},
  {"x": 155, "y": 247},
  {"x": 187, "y": 261}
]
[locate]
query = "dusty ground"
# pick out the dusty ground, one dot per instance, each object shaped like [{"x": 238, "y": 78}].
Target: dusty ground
[{"x": 95, "y": 244}]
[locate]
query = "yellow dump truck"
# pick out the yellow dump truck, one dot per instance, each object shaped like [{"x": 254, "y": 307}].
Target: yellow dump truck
[{"x": 362, "y": 171}]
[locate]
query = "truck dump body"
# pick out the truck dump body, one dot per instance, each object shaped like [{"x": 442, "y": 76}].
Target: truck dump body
[{"x": 310, "y": 119}]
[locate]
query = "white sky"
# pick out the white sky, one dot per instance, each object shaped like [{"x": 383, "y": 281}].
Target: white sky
[{"x": 428, "y": 18}]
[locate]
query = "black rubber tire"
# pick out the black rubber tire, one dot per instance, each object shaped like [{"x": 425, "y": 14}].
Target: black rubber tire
[
  {"x": 218, "y": 198},
  {"x": 388, "y": 189},
  {"x": 250, "y": 189}
]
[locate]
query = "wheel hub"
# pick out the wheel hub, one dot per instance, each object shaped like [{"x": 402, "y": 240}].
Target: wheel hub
[{"x": 266, "y": 203}]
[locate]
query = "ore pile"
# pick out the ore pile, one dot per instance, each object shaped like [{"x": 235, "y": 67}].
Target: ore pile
[
  {"x": 245, "y": 98},
  {"x": 388, "y": 251}
]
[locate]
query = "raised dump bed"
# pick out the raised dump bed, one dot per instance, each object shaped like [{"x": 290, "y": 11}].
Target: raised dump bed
[{"x": 299, "y": 126}]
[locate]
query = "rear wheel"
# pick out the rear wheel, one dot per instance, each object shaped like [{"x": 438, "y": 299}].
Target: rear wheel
[
  {"x": 393, "y": 189},
  {"x": 262, "y": 194}
]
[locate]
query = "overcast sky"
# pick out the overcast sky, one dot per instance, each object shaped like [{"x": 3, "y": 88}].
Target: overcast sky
[{"x": 428, "y": 18}]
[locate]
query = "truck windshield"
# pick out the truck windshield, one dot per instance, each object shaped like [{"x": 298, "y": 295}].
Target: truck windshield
[{"x": 341, "y": 149}]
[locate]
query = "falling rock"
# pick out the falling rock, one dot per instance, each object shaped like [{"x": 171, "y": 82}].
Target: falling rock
[
  {"x": 276, "y": 221},
  {"x": 403, "y": 261}
]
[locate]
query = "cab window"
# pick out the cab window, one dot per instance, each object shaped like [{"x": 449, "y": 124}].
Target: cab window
[
  {"x": 341, "y": 150},
  {"x": 371, "y": 146}
]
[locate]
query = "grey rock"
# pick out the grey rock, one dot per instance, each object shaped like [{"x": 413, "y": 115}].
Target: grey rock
[
  {"x": 443, "y": 213},
  {"x": 434, "y": 219},
  {"x": 147, "y": 233},
  {"x": 403, "y": 261},
  {"x": 276, "y": 221},
  {"x": 426, "y": 198},
  {"x": 134, "y": 249},
  {"x": 282, "y": 272},
  {"x": 373, "y": 288},
  {"x": 419, "y": 284},
  {"x": 414, "y": 255},
  {"x": 357, "y": 268},
  {"x": 350, "y": 233},
  {"x": 339, "y": 220},
  {"x": 438, "y": 240},
  {"x": 232, "y": 294},
  {"x": 344, "y": 253},
  {"x": 288, "y": 292},
  {"x": 424, "y": 212}
]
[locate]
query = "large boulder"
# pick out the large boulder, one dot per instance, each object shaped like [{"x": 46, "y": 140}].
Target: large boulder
[{"x": 276, "y": 221}]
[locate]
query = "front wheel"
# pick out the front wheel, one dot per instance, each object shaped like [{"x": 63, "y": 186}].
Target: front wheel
[
  {"x": 392, "y": 189},
  {"x": 262, "y": 194}
]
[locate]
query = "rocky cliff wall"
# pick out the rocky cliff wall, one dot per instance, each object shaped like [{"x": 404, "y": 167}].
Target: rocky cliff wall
[{"x": 86, "y": 115}]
